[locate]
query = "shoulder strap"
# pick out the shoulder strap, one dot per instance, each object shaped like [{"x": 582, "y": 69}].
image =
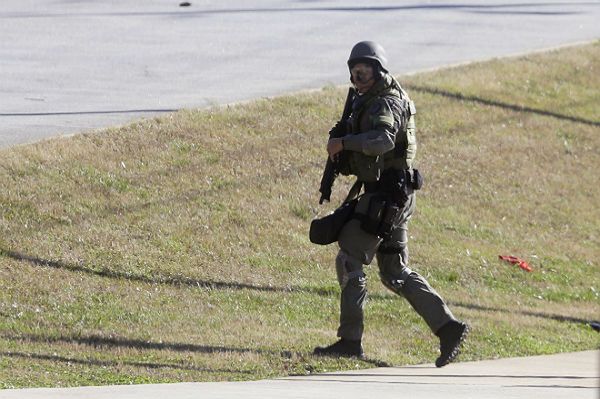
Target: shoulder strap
[{"x": 354, "y": 191}]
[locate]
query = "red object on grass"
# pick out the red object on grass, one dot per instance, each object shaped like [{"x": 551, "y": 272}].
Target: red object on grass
[{"x": 516, "y": 261}]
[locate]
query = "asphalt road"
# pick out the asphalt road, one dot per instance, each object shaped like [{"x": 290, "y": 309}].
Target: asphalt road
[{"x": 68, "y": 65}]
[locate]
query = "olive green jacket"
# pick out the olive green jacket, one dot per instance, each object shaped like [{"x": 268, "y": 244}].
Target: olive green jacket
[{"x": 382, "y": 131}]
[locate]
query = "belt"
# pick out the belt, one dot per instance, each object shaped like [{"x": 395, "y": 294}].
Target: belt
[{"x": 389, "y": 181}]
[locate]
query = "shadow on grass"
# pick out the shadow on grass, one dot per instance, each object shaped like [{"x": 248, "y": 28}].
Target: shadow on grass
[
  {"x": 494, "y": 103},
  {"x": 98, "y": 341},
  {"x": 216, "y": 285},
  {"x": 163, "y": 280},
  {"x": 555, "y": 317},
  {"x": 179, "y": 281},
  {"x": 107, "y": 363},
  {"x": 113, "y": 342}
]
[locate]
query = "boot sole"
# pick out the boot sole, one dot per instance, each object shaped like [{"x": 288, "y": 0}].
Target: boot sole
[{"x": 456, "y": 351}]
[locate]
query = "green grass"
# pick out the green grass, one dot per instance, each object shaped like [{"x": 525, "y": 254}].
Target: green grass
[{"x": 176, "y": 248}]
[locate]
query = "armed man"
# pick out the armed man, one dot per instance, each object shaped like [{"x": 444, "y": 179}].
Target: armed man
[{"x": 375, "y": 141}]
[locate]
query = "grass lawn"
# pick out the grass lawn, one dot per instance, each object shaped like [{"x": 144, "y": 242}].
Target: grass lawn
[{"x": 176, "y": 248}]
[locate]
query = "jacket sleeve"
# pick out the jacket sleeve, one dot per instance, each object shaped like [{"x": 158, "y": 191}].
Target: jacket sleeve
[
  {"x": 382, "y": 136},
  {"x": 373, "y": 142}
]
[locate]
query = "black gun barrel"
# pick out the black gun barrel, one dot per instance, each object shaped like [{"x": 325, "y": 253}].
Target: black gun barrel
[{"x": 339, "y": 130}]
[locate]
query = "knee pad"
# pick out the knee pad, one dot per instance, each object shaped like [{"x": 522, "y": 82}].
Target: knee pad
[
  {"x": 348, "y": 269},
  {"x": 396, "y": 284}
]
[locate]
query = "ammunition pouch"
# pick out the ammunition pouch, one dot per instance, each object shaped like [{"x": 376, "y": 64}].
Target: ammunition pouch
[
  {"x": 398, "y": 184},
  {"x": 326, "y": 230},
  {"x": 386, "y": 206},
  {"x": 342, "y": 163},
  {"x": 366, "y": 168},
  {"x": 416, "y": 179},
  {"x": 383, "y": 216}
]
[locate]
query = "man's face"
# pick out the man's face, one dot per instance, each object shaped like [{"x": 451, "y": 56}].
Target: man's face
[{"x": 362, "y": 74}]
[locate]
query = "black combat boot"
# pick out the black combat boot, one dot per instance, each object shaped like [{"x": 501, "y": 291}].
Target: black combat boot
[
  {"x": 342, "y": 348},
  {"x": 452, "y": 335}
]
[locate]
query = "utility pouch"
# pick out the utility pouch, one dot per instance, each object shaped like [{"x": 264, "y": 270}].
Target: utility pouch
[
  {"x": 389, "y": 221},
  {"x": 326, "y": 230},
  {"x": 413, "y": 181},
  {"x": 416, "y": 180},
  {"x": 382, "y": 217},
  {"x": 371, "y": 222},
  {"x": 342, "y": 163},
  {"x": 366, "y": 168}
]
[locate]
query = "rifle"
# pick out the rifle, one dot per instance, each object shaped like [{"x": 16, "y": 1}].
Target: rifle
[{"x": 331, "y": 167}]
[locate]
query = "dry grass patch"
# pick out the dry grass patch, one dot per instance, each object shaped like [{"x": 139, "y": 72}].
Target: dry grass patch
[{"x": 176, "y": 248}]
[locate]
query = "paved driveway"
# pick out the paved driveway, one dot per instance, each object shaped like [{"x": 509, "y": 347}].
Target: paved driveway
[
  {"x": 68, "y": 65},
  {"x": 561, "y": 376}
]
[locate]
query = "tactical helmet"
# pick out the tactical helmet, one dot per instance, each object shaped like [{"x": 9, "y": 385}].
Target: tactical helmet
[{"x": 368, "y": 50}]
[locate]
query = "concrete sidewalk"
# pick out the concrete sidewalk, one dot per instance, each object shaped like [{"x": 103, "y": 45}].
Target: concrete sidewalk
[{"x": 567, "y": 375}]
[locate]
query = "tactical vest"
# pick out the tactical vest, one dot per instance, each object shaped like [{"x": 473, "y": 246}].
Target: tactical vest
[{"x": 385, "y": 105}]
